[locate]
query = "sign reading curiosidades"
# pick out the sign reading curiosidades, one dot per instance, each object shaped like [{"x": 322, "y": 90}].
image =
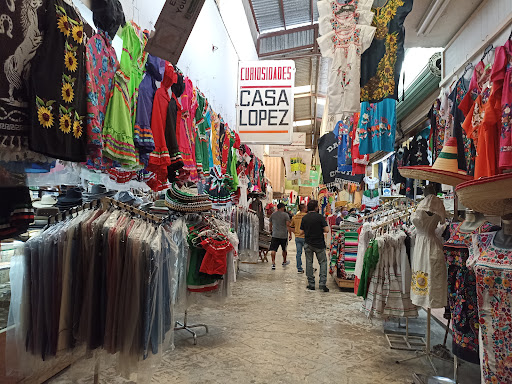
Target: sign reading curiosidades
[{"x": 265, "y": 101}]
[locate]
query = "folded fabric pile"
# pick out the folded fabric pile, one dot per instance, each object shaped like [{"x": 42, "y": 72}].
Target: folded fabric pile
[{"x": 186, "y": 199}]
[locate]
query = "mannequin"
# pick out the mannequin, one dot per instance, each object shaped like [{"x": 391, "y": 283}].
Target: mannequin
[
  {"x": 503, "y": 238},
  {"x": 473, "y": 221}
]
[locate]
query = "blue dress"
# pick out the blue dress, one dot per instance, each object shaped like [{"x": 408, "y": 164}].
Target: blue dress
[
  {"x": 341, "y": 131},
  {"x": 377, "y": 126}
]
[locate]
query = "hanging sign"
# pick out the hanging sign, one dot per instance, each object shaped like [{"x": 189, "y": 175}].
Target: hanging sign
[
  {"x": 298, "y": 142},
  {"x": 173, "y": 28},
  {"x": 265, "y": 101}
]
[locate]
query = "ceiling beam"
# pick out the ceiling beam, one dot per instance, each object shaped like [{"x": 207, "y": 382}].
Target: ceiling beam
[
  {"x": 288, "y": 31},
  {"x": 254, "y": 16},
  {"x": 288, "y": 50},
  {"x": 282, "y": 12}
]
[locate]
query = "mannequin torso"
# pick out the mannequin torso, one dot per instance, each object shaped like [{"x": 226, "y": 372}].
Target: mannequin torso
[{"x": 503, "y": 238}]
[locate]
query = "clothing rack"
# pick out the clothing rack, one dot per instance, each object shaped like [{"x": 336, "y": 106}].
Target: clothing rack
[
  {"x": 108, "y": 201},
  {"x": 62, "y": 215}
]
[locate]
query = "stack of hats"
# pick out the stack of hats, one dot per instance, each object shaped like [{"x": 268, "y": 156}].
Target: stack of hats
[
  {"x": 97, "y": 192},
  {"x": 71, "y": 199},
  {"x": 44, "y": 209},
  {"x": 444, "y": 171},
  {"x": 186, "y": 199}
]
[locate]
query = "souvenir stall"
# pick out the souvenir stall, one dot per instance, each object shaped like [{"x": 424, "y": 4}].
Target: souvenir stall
[{"x": 113, "y": 169}]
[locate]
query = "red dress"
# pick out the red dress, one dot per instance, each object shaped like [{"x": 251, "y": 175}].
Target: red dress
[
  {"x": 481, "y": 126},
  {"x": 502, "y": 91}
]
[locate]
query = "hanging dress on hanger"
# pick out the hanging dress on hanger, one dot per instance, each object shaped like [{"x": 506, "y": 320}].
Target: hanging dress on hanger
[{"x": 429, "y": 276}]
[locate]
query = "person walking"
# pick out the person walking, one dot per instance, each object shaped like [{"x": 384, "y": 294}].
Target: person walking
[
  {"x": 314, "y": 226},
  {"x": 299, "y": 238},
  {"x": 280, "y": 228}
]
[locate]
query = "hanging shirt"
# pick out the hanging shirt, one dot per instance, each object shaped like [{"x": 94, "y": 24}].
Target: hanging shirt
[
  {"x": 382, "y": 62},
  {"x": 345, "y": 48},
  {"x": 57, "y": 86},
  {"x": 102, "y": 65},
  {"x": 377, "y": 126}
]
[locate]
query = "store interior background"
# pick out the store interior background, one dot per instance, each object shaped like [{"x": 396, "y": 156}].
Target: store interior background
[{"x": 229, "y": 31}]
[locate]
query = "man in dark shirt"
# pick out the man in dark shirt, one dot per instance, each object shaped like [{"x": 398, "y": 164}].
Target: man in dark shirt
[{"x": 314, "y": 226}]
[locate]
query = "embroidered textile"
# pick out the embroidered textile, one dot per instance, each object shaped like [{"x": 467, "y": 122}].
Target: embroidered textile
[{"x": 57, "y": 87}]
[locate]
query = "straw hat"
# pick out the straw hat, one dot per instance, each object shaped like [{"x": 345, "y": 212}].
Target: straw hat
[
  {"x": 444, "y": 171},
  {"x": 488, "y": 195}
]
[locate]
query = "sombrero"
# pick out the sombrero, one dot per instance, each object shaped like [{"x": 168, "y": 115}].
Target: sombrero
[
  {"x": 488, "y": 195},
  {"x": 444, "y": 171}
]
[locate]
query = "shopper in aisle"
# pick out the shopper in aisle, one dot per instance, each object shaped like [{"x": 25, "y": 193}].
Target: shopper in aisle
[
  {"x": 280, "y": 228},
  {"x": 299, "y": 238},
  {"x": 313, "y": 227}
]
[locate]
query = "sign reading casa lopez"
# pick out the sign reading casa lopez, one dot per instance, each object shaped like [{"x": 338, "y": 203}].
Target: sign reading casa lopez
[{"x": 265, "y": 101}]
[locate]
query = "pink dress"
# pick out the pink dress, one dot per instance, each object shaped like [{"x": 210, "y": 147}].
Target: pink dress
[
  {"x": 186, "y": 132},
  {"x": 502, "y": 89}
]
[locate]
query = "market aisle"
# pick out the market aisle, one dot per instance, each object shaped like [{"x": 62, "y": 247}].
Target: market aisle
[{"x": 275, "y": 331}]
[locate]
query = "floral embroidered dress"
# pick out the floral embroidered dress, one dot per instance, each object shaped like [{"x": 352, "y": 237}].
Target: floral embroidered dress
[
  {"x": 377, "y": 126},
  {"x": 502, "y": 83},
  {"x": 481, "y": 75},
  {"x": 462, "y": 296},
  {"x": 346, "y": 35},
  {"x": 118, "y": 127},
  {"x": 493, "y": 270},
  {"x": 341, "y": 132},
  {"x": 57, "y": 87},
  {"x": 102, "y": 65},
  {"x": 465, "y": 148},
  {"x": 359, "y": 162},
  {"x": 382, "y": 62},
  {"x": 481, "y": 126}
]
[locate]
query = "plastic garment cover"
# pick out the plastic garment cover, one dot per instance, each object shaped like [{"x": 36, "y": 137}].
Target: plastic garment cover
[{"x": 100, "y": 285}]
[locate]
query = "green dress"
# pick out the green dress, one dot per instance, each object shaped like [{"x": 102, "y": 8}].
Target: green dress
[
  {"x": 371, "y": 258},
  {"x": 119, "y": 125}
]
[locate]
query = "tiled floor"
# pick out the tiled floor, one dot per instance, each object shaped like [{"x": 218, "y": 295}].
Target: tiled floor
[{"x": 274, "y": 331}]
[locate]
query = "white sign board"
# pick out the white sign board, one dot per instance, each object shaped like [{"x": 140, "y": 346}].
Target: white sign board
[
  {"x": 265, "y": 101},
  {"x": 298, "y": 142}
]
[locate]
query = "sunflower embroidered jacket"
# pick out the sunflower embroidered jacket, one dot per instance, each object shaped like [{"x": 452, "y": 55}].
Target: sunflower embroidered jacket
[{"x": 57, "y": 86}]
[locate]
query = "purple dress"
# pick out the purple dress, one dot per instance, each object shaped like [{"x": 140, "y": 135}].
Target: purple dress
[{"x": 143, "y": 136}]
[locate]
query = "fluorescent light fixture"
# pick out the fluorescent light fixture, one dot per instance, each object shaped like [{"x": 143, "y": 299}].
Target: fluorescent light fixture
[
  {"x": 430, "y": 19},
  {"x": 308, "y": 149},
  {"x": 301, "y": 123},
  {"x": 321, "y": 101},
  {"x": 302, "y": 89}
]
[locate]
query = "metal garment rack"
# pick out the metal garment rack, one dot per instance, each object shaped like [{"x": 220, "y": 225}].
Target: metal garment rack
[
  {"x": 407, "y": 341},
  {"x": 179, "y": 326},
  {"x": 428, "y": 352}
]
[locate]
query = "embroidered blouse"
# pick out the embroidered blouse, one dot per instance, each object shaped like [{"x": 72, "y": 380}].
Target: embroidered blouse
[
  {"x": 57, "y": 86},
  {"x": 481, "y": 126},
  {"x": 502, "y": 87},
  {"x": 382, "y": 62},
  {"x": 102, "y": 64},
  {"x": 493, "y": 269}
]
